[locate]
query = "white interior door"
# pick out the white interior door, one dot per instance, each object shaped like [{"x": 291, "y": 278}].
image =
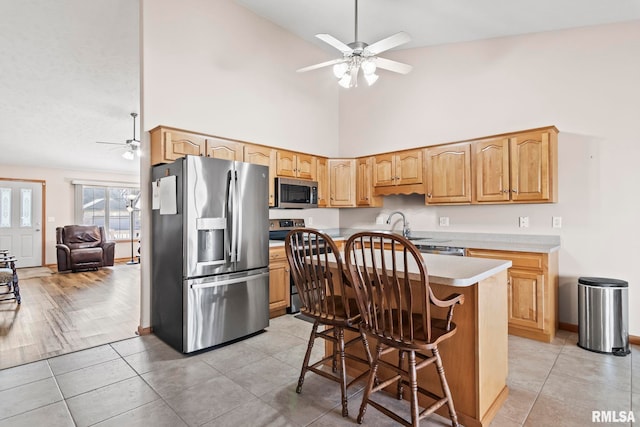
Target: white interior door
[{"x": 21, "y": 221}]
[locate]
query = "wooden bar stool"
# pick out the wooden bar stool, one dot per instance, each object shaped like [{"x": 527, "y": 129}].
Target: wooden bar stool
[
  {"x": 390, "y": 280},
  {"x": 317, "y": 271}
]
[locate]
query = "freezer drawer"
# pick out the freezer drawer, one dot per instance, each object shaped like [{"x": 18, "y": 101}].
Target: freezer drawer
[{"x": 225, "y": 307}]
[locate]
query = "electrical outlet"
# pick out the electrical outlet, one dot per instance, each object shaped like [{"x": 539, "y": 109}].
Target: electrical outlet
[
  {"x": 380, "y": 219},
  {"x": 310, "y": 221},
  {"x": 444, "y": 221},
  {"x": 524, "y": 222},
  {"x": 556, "y": 222}
]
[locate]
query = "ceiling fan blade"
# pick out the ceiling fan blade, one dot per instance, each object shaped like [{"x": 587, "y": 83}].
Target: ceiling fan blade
[
  {"x": 389, "y": 43},
  {"x": 334, "y": 42},
  {"x": 395, "y": 66},
  {"x": 322, "y": 64}
]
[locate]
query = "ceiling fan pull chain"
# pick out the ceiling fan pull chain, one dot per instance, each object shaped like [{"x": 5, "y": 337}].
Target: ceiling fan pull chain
[{"x": 356, "y": 34}]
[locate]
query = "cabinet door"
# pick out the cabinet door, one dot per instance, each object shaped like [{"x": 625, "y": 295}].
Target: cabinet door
[
  {"x": 526, "y": 296},
  {"x": 285, "y": 164},
  {"x": 408, "y": 166},
  {"x": 448, "y": 174},
  {"x": 491, "y": 170},
  {"x": 530, "y": 166},
  {"x": 384, "y": 172},
  {"x": 179, "y": 144},
  {"x": 221, "y": 149},
  {"x": 364, "y": 185},
  {"x": 264, "y": 156},
  {"x": 305, "y": 166},
  {"x": 322, "y": 175},
  {"x": 342, "y": 183},
  {"x": 279, "y": 282}
]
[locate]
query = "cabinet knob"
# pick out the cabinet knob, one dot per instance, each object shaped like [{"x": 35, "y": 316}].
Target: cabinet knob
[
  {"x": 515, "y": 191},
  {"x": 429, "y": 195},
  {"x": 505, "y": 191}
]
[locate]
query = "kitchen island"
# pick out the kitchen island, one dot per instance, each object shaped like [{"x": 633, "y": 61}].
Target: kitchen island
[{"x": 476, "y": 357}]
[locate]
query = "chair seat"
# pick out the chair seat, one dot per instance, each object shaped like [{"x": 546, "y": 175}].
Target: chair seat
[
  {"x": 6, "y": 275},
  {"x": 87, "y": 255},
  {"x": 439, "y": 332},
  {"x": 337, "y": 316}
]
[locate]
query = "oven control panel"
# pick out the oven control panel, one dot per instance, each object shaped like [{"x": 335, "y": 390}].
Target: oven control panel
[{"x": 285, "y": 224}]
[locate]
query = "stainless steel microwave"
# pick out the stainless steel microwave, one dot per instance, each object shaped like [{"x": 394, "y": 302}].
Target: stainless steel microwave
[{"x": 296, "y": 193}]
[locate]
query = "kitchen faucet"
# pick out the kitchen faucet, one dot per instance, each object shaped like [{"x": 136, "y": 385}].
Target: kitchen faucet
[{"x": 405, "y": 225}]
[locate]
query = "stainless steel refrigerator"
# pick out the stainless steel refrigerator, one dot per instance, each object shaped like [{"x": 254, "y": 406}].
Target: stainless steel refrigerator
[{"x": 210, "y": 252}]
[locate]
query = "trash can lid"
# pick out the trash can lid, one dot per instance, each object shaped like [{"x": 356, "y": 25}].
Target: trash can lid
[{"x": 603, "y": 282}]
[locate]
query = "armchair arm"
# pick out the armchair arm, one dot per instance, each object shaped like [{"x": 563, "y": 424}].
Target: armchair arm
[
  {"x": 63, "y": 254},
  {"x": 108, "y": 253},
  {"x": 449, "y": 301}
]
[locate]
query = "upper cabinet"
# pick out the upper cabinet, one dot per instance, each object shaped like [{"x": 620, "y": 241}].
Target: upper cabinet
[
  {"x": 322, "y": 176},
  {"x": 295, "y": 165},
  {"x": 265, "y": 156},
  {"x": 448, "y": 174},
  {"x": 520, "y": 168},
  {"x": 364, "y": 183},
  {"x": 223, "y": 149},
  {"x": 342, "y": 183},
  {"x": 398, "y": 173},
  {"x": 169, "y": 144}
]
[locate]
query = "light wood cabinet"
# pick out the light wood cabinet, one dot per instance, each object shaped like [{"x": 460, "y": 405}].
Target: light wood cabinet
[
  {"x": 322, "y": 176},
  {"x": 295, "y": 165},
  {"x": 364, "y": 183},
  {"x": 168, "y": 144},
  {"x": 265, "y": 156},
  {"x": 448, "y": 174},
  {"x": 532, "y": 292},
  {"x": 222, "y": 149},
  {"x": 279, "y": 282},
  {"x": 342, "y": 183},
  {"x": 521, "y": 168},
  {"x": 398, "y": 173}
]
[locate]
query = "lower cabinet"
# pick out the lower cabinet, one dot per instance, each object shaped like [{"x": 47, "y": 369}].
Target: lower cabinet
[
  {"x": 532, "y": 293},
  {"x": 279, "y": 282}
]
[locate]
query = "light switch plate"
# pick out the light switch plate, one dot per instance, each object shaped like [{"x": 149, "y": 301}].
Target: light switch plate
[
  {"x": 310, "y": 220},
  {"x": 444, "y": 221},
  {"x": 556, "y": 222}
]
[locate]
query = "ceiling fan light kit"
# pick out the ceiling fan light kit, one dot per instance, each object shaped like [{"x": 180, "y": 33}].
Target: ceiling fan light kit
[
  {"x": 361, "y": 56},
  {"x": 132, "y": 145}
]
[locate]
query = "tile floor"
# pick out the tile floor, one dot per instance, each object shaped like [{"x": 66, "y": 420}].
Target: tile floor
[{"x": 143, "y": 382}]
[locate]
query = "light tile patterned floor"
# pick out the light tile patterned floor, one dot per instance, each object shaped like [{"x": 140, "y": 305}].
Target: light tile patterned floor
[{"x": 143, "y": 382}]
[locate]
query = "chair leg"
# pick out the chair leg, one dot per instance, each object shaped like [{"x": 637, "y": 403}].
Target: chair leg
[
  {"x": 413, "y": 384},
  {"x": 305, "y": 363},
  {"x": 445, "y": 388},
  {"x": 343, "y": 370},
  {"x": 372, "y": 378},
  {"x": 400, "y": 392}
]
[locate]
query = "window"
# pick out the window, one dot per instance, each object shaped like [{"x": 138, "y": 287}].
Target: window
[{"x": 114, "y": 208}]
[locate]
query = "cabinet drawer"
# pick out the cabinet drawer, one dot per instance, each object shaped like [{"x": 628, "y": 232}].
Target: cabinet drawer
[
  {"x": 526, "y": 260},
  {"x": 277, "y": 254}
]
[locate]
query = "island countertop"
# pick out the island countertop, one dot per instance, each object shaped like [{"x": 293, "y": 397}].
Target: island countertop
[{"x": 461, "y": 271}]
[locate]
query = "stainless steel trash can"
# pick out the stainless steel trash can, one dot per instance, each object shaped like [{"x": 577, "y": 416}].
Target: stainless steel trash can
[{"x": 603, "y": 315}]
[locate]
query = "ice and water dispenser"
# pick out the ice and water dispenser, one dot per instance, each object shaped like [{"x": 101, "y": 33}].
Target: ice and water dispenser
[{"x": 211, "y": 234}]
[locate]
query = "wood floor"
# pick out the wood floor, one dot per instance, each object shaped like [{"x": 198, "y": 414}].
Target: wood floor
[{"x": 65, "y": 312}]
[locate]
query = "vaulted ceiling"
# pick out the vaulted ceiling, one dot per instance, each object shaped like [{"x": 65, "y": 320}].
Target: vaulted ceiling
[{"x": 70, "y": 72}]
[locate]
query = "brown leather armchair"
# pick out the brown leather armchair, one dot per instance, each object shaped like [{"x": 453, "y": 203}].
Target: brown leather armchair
[{"x": 83, "y": 247}]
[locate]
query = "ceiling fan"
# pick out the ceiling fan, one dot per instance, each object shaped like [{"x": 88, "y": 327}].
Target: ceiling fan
[
  {"x": 132, "y": 145},
  {"x": 360, "y": 55}
]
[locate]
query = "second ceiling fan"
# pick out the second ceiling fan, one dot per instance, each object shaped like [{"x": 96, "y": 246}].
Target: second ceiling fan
[{"x": 360, "y": 55}]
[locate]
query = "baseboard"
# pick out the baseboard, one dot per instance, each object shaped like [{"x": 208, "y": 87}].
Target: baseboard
[
  {"x": 568, "y": 327},
  {"x": 144, "y": 331},
  {"x": 574, "y": 328}
]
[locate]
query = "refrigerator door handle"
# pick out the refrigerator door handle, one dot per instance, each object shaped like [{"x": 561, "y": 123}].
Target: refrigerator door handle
[
  {"x": 234, "y": 217},
  {"x": 230, "y": 281},
  {"x": 231, "y": 196}
]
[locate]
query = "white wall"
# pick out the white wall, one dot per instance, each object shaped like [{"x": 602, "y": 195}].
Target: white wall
[
  {"x": 215, "y": 67},
  {"x": 60, "y": 195},
  {"x": 583, "y": 81}
]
